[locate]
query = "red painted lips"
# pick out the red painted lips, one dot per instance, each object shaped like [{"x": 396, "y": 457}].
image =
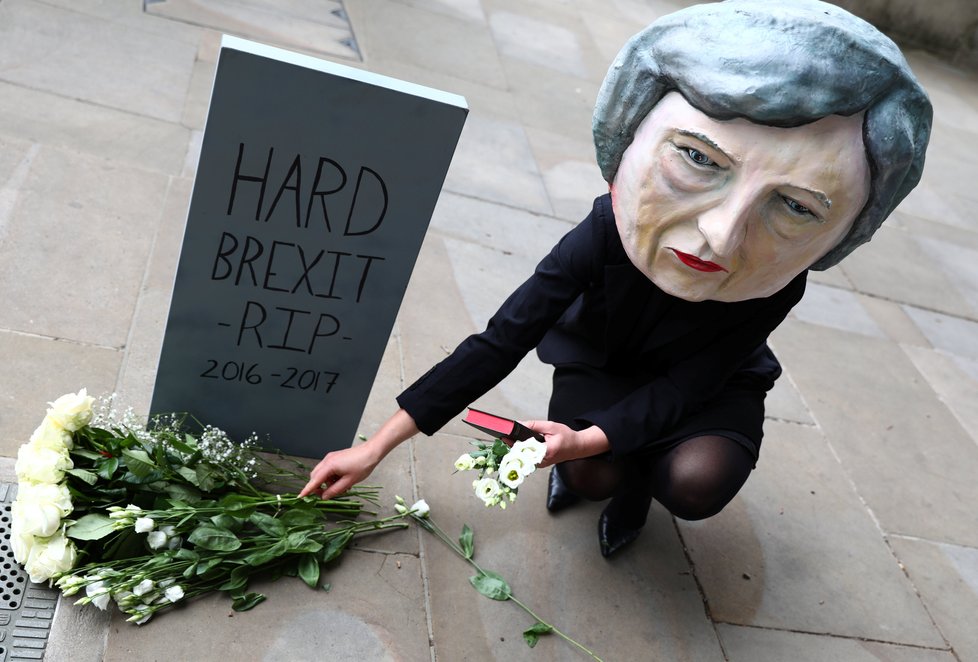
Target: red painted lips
[{"x": 695, "y": 263}]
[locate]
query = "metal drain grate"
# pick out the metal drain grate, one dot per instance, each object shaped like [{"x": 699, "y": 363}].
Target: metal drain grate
[
  {"x": 26, "y": 609},
  {"x": 314, "y": 26}
]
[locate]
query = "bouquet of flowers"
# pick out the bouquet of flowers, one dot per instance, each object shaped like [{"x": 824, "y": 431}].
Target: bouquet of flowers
[
  {"x": 502, "y": 468},
  {"x": 150, "y": 516}
]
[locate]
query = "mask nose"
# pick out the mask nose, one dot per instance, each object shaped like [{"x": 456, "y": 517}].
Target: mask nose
[{"x": 724, "y": 226}]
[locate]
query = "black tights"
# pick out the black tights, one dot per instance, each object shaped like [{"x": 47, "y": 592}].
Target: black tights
[{"x": 693, "y": 480}]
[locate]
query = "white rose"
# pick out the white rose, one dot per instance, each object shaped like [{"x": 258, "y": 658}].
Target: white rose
[
  {"x": 36, "y": 464},
  {"x": 174, "y": 593},
  {"x": 72, "y": 411},
  {"x": 51, "y": 435},
  {"x": 40, "y": 507},
  {"x": 49, "y": 557},
  {"x": 464, "y": 462},
  {"x": 21, "y": 545},
  {"x": 420, "y": 508},
  {"x": 513, "y": 469},
  {"x": 531, "y": 449},
  {"x": 144, "y": 524},
  {"x": 488, "y": 490}
]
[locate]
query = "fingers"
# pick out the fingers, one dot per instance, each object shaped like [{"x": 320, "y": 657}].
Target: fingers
[{"x": 339, "y": 487}]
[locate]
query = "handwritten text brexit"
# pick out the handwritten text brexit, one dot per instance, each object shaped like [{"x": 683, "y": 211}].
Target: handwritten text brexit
[{"x": 253, "y": 260}]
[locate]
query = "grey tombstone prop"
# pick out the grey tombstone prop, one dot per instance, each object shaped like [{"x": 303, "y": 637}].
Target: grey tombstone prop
[{"x": 315, "y": 186}]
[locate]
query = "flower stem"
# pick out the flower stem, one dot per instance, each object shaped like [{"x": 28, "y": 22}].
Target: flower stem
[{"x": 433, "y": 528}]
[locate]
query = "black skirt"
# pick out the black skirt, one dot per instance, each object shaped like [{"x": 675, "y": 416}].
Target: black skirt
[{"x": 737, "y": 412}]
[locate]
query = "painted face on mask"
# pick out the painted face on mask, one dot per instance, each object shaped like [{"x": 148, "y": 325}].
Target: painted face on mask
[{"x": 733, "y": 210}]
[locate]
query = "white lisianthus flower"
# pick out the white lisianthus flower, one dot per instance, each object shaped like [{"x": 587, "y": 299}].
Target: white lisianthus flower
[
  {"x": 143, "y": 587},
  {"x": 480, "y": 461},
  {"x": 420, "y": 509},
  {"x": 513, "y": 469},
  {"x": 140, "y": 614},
  {"x": 130, "y": 511},
  {"x": 173, "y": 593},
  {"x": 72, "y": 411},
  {"x": 401, "y": 510},
  {"x": 531, "y": 449},
  {"x": 465, "y": 462},
  {"x": 39, "y": 508},
  {"x": 174, "y": 542},
  {"x": 99, "y": 594},
  {"x": 37, "y": 464},
  {"x": 144, "y": 524},
  {"x": 156, "y": 539},
  {"x": 50, "y": 556},
  {"x": 488, "y": 490},
  {"x": 51, "y": 435}
]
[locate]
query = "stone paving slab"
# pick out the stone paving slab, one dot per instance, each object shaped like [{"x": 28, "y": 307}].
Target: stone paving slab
[
  {"x": 797, "y": 551},
  {"x": 79, "y": 56},
  {"x": 882, "y": 419},
  {"x": 35, "y": 371},
  {"x": 643, "y": 605},
  {"x": 95, "y": 220},
  {"x": 373, "y": 611},
  {"x": 892, "y": 266},
  {"x": 115, "y": 135},
  {"x": 760, "y": 645},
  {"x": 950, "y": 378},
  {"x": 946, "y": 576}
]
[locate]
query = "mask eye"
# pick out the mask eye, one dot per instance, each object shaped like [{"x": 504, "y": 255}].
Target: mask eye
[
  {"x": 698, "y": 157},
  {"x": 797, "y": 208}
]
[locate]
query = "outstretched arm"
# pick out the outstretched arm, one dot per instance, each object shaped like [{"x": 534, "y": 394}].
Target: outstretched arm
[{"x": 340, "y": 470}]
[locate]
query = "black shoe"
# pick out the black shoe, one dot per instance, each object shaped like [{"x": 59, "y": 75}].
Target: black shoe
[
  {"x": 559, "y": 495},
  {"x": 613, "y": 536}
]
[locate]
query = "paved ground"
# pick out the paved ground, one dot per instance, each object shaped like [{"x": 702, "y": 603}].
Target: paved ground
[{"x": 855, "y": 539}]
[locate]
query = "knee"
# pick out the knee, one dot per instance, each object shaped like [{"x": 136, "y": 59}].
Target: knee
[
  {"x": 696, "y": 495},
  {"x": 694, "y": 507}
]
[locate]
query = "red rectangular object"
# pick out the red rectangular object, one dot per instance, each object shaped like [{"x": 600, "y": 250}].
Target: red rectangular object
[{"x": 497, "y": 426}]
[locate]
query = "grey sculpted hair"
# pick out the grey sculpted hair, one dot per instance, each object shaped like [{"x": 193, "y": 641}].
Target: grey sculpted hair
[{"x": 783, "y": 64}]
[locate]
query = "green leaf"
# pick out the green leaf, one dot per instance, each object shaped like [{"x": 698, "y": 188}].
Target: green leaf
[
  {"x": 106, "y": 466},
  {"x": 268, "y": 524},
  {"x": 84, "y": 475},
  {"x": 327, "y": 586},
  {"x": 300, "y": 541},
  {"x": 208, "y": 480},
  {"x": 181, "y": 492},
  {"x": 87, "y": 454},
  {"x": 532, "y": 635},
  {"x": 237, "y": 581},
  {"x": 228, "y": 522},
  {"x": 214, "y": 538},
  {"x": 465, "y": 540},
  {"x": 491, "y": 585},
  {"x": 189, "y": 475},
  {"x": 246, "y": 602},
  {"x": 263, "y": 556},
  {"x": 238, "y": 505},
  {"x": 91, "y": 527},
  {"x": 334, "y": 547},
  {"x": 139, "y": 462},
  {"x": 296, "y": 517},
  {"x": 499, "y": 448},
  {"x": 309, "y": 569}
]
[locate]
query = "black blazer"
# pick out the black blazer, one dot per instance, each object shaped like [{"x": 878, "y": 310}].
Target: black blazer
[{"x": 586, "y": 303}]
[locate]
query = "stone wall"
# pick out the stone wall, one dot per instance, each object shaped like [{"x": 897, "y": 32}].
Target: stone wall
[{"x": 948, "y": 28}]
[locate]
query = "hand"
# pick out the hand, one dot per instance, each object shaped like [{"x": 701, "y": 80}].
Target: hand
[
  {"x": 565, "y": 444},
  {"x": 340, "y": 470}
]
